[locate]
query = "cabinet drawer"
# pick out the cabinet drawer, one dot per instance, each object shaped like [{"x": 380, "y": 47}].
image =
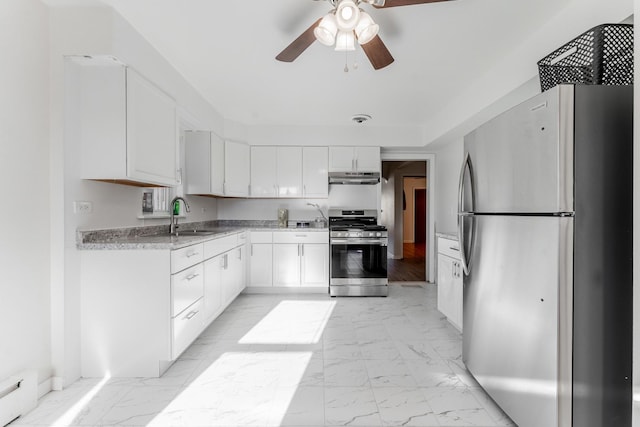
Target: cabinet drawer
[
  {"x": 261, "y": 237},
  {"x": 217, "y": 246},
  {"x": 449, "y": 247},
  {"x": 186, "y": 287},
  {"x": 300, "y": 237},
  {"x": 186, "y": 257},
  {"x": 242, "y": 238},
  {"x": 186, "y": 327}
]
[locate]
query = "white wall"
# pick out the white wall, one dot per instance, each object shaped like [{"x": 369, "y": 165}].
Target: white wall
[
  {"x": 517, "y": 70},
  {"x": 267, "y": 209},
  {"x": 24, "y": 147},
  {"x": 448, "y": 162},
  {"x": 99, "y": 31}
]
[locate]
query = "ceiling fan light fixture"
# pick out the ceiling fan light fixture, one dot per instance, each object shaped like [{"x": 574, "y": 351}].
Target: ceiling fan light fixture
[
  {"x": 346, "y": 41},
  {"x": 347, "y": 15},
  {"x": 326, "y": 31},
  {"x": 366, "y": 29}
]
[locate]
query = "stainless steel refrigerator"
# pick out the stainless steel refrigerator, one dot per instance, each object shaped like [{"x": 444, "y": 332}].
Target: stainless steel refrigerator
[{"x": 545, "y": 224}]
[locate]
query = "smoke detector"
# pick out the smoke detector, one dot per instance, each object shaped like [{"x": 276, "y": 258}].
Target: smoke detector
[{"x": 361, "y": 118}]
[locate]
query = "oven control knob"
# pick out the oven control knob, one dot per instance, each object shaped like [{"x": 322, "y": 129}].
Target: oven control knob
[{"x": 378, "y": 234}]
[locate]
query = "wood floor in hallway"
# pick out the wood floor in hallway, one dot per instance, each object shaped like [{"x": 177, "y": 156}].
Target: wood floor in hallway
[{"x": 412, "y": 267}]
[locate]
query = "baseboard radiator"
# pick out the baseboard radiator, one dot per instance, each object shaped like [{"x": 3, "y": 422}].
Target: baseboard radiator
[{"x": 18, "y": 395}]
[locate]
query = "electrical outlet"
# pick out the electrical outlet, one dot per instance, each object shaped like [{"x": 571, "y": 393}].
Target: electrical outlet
[{"x": 82, "y": 207}]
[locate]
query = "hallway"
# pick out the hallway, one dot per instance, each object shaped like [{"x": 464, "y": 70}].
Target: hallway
[{"x": 412, "y": 267}]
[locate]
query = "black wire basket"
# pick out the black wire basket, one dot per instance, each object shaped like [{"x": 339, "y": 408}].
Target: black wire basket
[{"x": 602, "y": 55}]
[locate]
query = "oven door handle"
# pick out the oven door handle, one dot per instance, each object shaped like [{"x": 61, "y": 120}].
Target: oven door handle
[{"x": 379, "y": 242}]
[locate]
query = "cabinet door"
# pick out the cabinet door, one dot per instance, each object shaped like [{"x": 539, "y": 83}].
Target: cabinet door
[
  {"x": 289, "y": 171},
  {"x": 212, "y": 287},
  {"x": 227, "y": 278},
  {"x": 367, "y": 159},
  {"x": 236, "y": 169},
  {"x": 240, "y": 269},
  {"x": 263, "y": 172},
  {"x": 315, "y": 166},
  {"x": 341, "y": 159},
  {"x": 198, "y": 169},
  {"x": 152, "y": 133},
  {"x": 217, "y": 165},
  {"x": 315, "y": 265},
  {"x": 286, "y": 264},
  {"x": 457, "y": 286},
  {"x": 261, "y": 265},
  {"x": 445, "y": 286}
]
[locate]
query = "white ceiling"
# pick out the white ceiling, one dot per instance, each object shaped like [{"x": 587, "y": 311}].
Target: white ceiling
[{"x": 226, "y": 50}]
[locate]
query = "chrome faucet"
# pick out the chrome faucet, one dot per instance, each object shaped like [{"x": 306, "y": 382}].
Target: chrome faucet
[
  {"x": 317, "y": 206},
  {"x": 174, "y": 221}
]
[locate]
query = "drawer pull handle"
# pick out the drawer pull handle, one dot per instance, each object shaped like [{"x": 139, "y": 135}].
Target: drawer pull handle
[
  {"x": 190, "y": 254},
  {"x": 301, "y": 235},
  {"x": 192, "y": 276},
  {"x": 454, "y": 248},
  {"x": 190, "y": 315}
]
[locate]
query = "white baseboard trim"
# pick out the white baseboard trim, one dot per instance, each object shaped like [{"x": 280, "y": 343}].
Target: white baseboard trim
[
  {"x": 57, "y": 383},
  {"x": 285, "y": 290},
  {"x": 45, "y": 387}
]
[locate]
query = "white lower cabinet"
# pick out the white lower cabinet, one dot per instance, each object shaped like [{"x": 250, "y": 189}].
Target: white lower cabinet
[
  {"x": 286, "y": 264},
  {"x": 315, "y": 265},
  {"x": 261, "y": 259},
  {"x": 300, "y": 259},
  {"x": 186, "y": 327},
  {"x": 213, "y": 287},
  {"x": 140, "y": 309},
  {"x": 450, "y": 283}
]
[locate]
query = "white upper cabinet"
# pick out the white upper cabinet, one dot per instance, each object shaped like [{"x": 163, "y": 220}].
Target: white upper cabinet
[
  {"x": 204, "y": 163},
  {"x": 367, "y": 159},
  {"x": 341, "y": 159},
  {"x": 197, "y": 162},
  {"x": 128, "y": 127},
  {"x": 354, "y": 159},
  {"x": 276, "y": 171},
  {"x": 152, "y": 132},
  {"x": 289, "y": 171},
  {"x": 264, "y": 179},
  {"x": 237, "y": 172},
  {"x": 217, "y": 165},
  {"x": 315, "y": 177}
]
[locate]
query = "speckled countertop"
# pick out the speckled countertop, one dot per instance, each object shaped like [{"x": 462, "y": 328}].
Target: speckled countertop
[
  {"x": 447, "y": 235},
  {"x": 157, "y": 237}
]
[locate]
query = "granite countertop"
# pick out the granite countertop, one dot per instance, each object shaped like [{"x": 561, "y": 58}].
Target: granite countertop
[
  {"x": 157, "y": 237},
  {"x": 447, "y": 235}
]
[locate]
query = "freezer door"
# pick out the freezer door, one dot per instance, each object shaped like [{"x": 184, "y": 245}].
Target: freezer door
[
  {"x": 522, "y": 160},
  {"x": 517, "y": 316}
]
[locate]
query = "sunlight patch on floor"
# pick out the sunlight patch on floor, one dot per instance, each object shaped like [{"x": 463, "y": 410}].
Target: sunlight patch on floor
[
  {"x": 291, "y": 322},
  {"x": 239, "y": 388},
  {"x": 72, "y": 413}
]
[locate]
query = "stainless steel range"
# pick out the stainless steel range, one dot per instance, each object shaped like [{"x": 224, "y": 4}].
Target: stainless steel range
[{"x": 358, "y": 253}]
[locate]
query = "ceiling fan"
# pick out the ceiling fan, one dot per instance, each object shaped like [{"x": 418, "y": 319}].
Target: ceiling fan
[{"x": 345, "y": 24}]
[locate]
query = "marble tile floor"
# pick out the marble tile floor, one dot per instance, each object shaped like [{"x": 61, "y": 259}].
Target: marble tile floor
[{"x": 304, "y": 360}]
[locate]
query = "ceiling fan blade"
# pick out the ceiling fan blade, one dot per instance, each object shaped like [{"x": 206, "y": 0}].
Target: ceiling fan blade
[
  {"x": 299, "y": 45},
  {"x": 377, "y": 53},
  {"x": 395, "y": 3}
]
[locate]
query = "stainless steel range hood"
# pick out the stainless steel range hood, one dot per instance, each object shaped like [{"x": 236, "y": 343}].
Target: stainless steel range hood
[{"x": 354, "y": 178}]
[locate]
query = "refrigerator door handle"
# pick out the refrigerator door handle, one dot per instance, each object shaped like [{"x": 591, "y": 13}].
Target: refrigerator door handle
[{"x": 464, "y": 257}]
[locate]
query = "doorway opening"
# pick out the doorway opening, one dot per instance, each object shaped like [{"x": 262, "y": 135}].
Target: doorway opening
[{"x": 404, "y": 202}]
